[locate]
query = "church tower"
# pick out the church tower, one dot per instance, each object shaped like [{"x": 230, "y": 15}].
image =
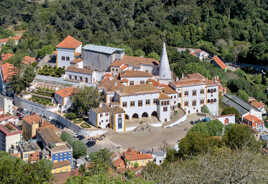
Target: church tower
[{"x": 164, "y": 69}]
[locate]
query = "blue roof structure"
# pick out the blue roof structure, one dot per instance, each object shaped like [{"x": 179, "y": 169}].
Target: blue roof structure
[
  {"x": 102, "y": 49},
  {"x": 264, "y": 137}
]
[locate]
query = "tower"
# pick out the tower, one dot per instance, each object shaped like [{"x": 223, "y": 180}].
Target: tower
[{"x": 164, "y": 69}]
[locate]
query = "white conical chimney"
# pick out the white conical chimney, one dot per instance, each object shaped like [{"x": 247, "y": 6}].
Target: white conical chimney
[{"x": 164, "y": 69}]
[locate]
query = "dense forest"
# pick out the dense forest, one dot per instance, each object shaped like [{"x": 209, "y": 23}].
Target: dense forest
[{"x": 235, "y": 30}]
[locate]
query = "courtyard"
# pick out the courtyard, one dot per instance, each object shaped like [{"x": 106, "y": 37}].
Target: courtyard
[{"x": 146, "y": 137}]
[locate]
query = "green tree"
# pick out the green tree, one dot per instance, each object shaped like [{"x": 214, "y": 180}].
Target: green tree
[
  {"x": 154, "y": 55},
  {"x": 86, "y": 98},
  {"x": 79, "y": 149},
  {"x": 204, "y": 109},
  {"x": 231, "y": 110},
  {"x": 238, "y": 136},
  {"x": 139, "y": 53},
  {"x": 243, "y": 95}
]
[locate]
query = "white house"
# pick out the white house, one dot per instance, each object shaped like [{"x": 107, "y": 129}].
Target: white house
[
  {"x": 194, "y": 91},
  {"x": 108, "y": 117},
  {"x": 227, "y": 119},
  {"x": 78, "y": 74},
  {"x": 67, "y": 50},
  {"x": 63, "y": 98},
  {"x": 135, "y": 77},
  {"x": 10, "y": 137},
  {"x": 7, "y": 104}
]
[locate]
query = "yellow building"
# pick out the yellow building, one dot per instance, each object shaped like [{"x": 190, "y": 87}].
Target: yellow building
[
  {"x": 136, "y": 159},
  {"x": 60, "y": 167},
  {"x": 30, "y": 124}
]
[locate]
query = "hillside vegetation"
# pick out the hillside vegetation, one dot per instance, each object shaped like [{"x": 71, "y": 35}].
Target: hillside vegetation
[{"x": 236, "y": 30}]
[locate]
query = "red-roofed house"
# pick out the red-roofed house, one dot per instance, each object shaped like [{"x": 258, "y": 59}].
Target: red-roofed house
[
  {"x": 258, "y": 105},
  {"x": 5, "y": 40},
  {"x": 67, "y": 50},
  {"x": 8, "y": 71},
  {"x": 254, "y": 122},
  {"x": 28, "y": 60},
  {"x": 10, "y": 136},
  {"x": 217, "y": 61},
  {"x": 134, "y": 158},
  {"x": 63, "y": 98}
]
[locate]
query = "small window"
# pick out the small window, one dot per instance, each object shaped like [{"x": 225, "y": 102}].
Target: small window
[
  {"x": 67, "y": 58},
  {"x": 194, "y": 103},
  {"x": 142, "y": 82},
  {"x": 132, "y": 103},
  {"x": 202, "y": 91},
  {"x": 81, "y": 78},
  {"x": 124, "y": 104},
  {"x": 194, "y": 93},
  {"x": 86, "y": 80},
  {"x": 131, "y": 83},
  {"x": 201, "y": 101},
  {"x": 179, "y": 94},
  {"x": 106, "y": 114},
  {"x": 186, "y": 104},
  {"x": 75, "y": 77},
  {"x": 148, "y": 102},
  {"x": 63, "y": 58},
  {"x": 208, "y": 100},
  {"x": 208, "y": 90},
  {"x": 70, "y": 77},
  {"x": 215, "y": 90},
  {"x": 155, "y": 101},
  {"x": 140, "y": 103},
  {"x": 100, "y": 114},
  {"x": 165, "y": 109},
  {"x": 186, "y": 93}
]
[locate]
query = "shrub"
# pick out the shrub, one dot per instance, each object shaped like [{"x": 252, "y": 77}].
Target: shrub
[{"x": 70, "y": 115}]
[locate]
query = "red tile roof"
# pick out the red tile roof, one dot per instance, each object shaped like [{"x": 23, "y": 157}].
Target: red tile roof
[
  {"x": 119, "y": 163},
  {"x": 32, "y": 119},
  {"x": 163, "y": 96},
  {"x": 134, "y": 74},
  {"x": 4, "y": 40},
  {"x": 8, "y": 71},
  {"x": 69, "y": 43},
  {"x": 65, "y": 92},
  {"x": 219, "y": 62},
  {"x": 257, "y": 104},
  {"x": 16, "y": 37},
  {"x": 28, "y": 60},
  {"x": 9, "y": 129},
  {"x": 6, "y": 56},
  {"x": 136, "y": 61},
  {"x": 132, "y": 155},
  {"x": 253, "y": 119}
]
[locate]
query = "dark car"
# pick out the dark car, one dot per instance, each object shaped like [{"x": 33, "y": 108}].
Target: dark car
[{"x": 91, "y": 143}]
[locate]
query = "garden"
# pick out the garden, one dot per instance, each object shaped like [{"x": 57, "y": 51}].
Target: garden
[
  {"x": 51, "y": 71},
  {"x": 42, "y": 100},
  {"x": 44, "y": 92}
]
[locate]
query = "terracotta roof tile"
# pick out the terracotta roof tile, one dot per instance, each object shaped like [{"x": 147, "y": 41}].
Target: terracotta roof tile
[
  {"x": 4, "y": 40},
  {"x": 169, "y": 90},
  {"x": 9, "y": 129},
  {"x": 219, "y": 62},
  {"x": 119, "y": 163},
  {"x": 251, "y": 118},
  {"x": 257, "y": 104},
  {"x": 8, "y": 71},
  {"x": 110, "y": 85},
  {"x": 28, "y": 60},
  {"x": 134, "y": 74},
  {"x": 79, "y": 70},
  {"x": 138, "y": 89},
  {"x": 69, "y": 43},
  {"x": 135, "y": 61},
  {"x": 163, "y": 96},
  {"x": 32, "y": 119},
  {"x": 132, "y": 155},
  {"x": 65, "y": 92},
  {"x": 16, "y": 37}
]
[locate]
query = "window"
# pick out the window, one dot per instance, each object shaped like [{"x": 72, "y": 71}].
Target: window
[
  {"x": 75, "y": 77},
  {"x": 186, "y": 93},
  {"x": 171, "y": 97},
  {"x": 175, "y": 97},
  {"x": 116, "y": 69},
  {"x": 148, "y": 102},
  {"x": 120, "y": 124},
  {"x": 70, "y": 77},
  {"x": 140, "y": 103},
  {"x": 202, "y": 91},
  {"x": 100, "y": 114},
  {"x": 63, "y": 58},
  {"x": 86, "y": 80},
  {"x": 194, "y": 103},
  {"x": 106, "y": 120},
  {"x": 142, "y": 82},
  {"x": 215, "y": 90},
  {"x": 175, "y": 102},
  {"x": 124, "y": 104},
  {"x": 165, "y": 109},
  {"x": 132, "y": 103},
  {"x": 186, "y": 104},
  {"x": 208, "y": 90},
  {"x": 131, "y": 83},
  {"x": 201, "y": 101},
  {"x": 81, "y": 78},
  {"x": 119, "y": 115},
  {"x": 67, "y": 58},
  {"x": 194, "y": 93},
  {"x": 112, "y": 69},
  {"x": 106, "y": 114},
  {"x": 155, "y": 101},
  {"x": 208, "y": 100},
  {"x": 179, "y": 94},
  {"x": 215, "y": 100}
]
